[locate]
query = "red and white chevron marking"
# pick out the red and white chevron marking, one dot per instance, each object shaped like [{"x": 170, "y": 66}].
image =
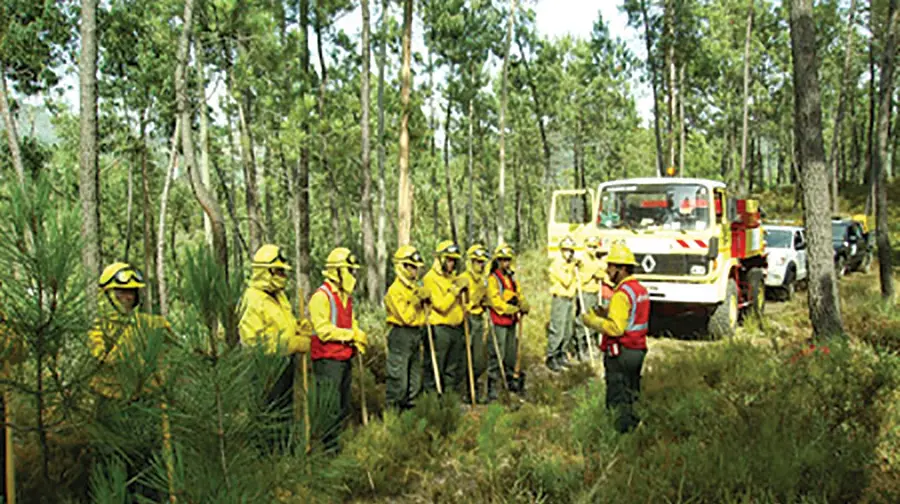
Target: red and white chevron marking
[{"x": 692, "y": 244}]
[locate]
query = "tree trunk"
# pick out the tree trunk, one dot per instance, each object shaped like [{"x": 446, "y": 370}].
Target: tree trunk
[
  {"x": 870, "y": 144},
  {"x": 204, "y": 133},
  {"x": 538, "y": 113},
  {"x": 432, "y": 133},
  {"x": 129, "y": 212},
  {"x": 842, "y": 105},
  {"x": 248, "y": 163},
  {"x": 673, "y": 88},
  {"x": 824, "y": 299},
  {"x": 12, "y": 136},
  {"x": 654, "y": 80},
  {"x": 470, "y": 175},
  {"x": 368, "y": 224},
  {"x": 501, "y": 190},
  {"x": 161, "y": 230},
  {"x": 447, "y": 178},
  {"x": 301, "y": 187},
  {"x": 149, "y": 269},
  {"x": 879, "y": 175},
  {"x": 89, "y": 175},
  {"x": 206, "y": 200},
  {"x": 682, "y": 143},
  {"x": 381, "y": 243},
  {"x": 517, "y": 177},
  {"x": 746, "y": 127},
  {"x": 336, "y": 231},
  {"x": 404, "y": 191}
]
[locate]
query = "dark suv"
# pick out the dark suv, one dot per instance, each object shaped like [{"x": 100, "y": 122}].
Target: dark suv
[{"x": 852, "y": 250}]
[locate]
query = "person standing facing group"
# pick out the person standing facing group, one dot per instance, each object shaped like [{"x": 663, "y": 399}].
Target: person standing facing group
[{"x": 508, "y": 305}]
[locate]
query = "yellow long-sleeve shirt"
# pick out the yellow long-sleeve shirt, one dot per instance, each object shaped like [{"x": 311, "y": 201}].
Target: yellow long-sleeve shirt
[
  {"x": 267, "y": 320},
  {"x": 562, "y": 278},
  {"x": 499, "y": 303},
  {"x": 320, "y": 315},
  {"x": 446, "y": 305},
  {"x": 592, "y": 274},
  {"x": 616, "y": 320},
  {"x": 402, "y": 305},
  {"x": 477, "y": 292}
]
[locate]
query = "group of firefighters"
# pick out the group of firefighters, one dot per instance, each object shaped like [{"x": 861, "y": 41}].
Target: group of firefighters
[{"x": 440, "y": 315}]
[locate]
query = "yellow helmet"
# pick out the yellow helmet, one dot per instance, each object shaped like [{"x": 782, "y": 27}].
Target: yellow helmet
[
  {"x": 567, "y": 243},
  {"x": 592, "y": 242},
  {"x": 448, "y": 249},
  {"x": 477, "y": 252},
  {"x": 504, "y": 251},
  {"x": 408, "y": 255},
  {"x": 341, "y": 257},
  {"x": 620, "y": 254},
  {"x": 270, "y": 256},
  {"x": 120, "y": 276}
]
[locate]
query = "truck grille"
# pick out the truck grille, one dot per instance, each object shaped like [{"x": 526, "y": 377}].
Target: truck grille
[{"x": 668, "y": 264}]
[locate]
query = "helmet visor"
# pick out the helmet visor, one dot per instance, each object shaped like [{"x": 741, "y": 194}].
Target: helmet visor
[
  {"x": 124, "y": 276},
  {"x": 275, "y": 256}
]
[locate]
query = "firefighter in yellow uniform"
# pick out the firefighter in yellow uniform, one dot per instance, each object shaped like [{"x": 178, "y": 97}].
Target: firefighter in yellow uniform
[
  {"x": 336, "y": 340},
  {"x": 121, "y": 336},
  {"x": 508, "y": 306},
  {"x": 592, "y": 275},
  {"x": 476, "y": 274},
  {"x": 405, "y": 303},
  {"x": 267, "y": 322},
  {"x": 445, "y": 290},
  {"x": 562, "y": 306}
]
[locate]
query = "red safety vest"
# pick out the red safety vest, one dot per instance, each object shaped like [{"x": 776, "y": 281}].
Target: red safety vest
[
  {"x": 635, "y": 336},
  {"x": 505, "y": 284},
  {"x": 342, "y": 318}
]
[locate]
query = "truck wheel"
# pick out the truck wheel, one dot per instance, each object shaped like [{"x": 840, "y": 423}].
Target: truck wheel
[
  {"x": 840, "y": 267},
  {"x": 723, "y": 321},
  {"x": 789, "y": 285},
  {"x": 756, "y": 277}
]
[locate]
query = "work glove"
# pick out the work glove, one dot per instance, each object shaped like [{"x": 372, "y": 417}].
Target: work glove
[
  {"x": 601, "y": 311},
  {"x": 422, "y": 295},
  {"x": 360, "y": 340},
  {"x": 592, "y": 319},
  {"x": 301, "y": 341},
  {"x": 524, "y": 307}
]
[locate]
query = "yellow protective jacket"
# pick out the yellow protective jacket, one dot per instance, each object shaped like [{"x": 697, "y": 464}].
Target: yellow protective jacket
[
  {"x": 477, "y": 291},
  {"x": 500, "y": 303},
  {"x": 562, "y": 278},
  {"x": 267, "y": 319},
  {"x": 114, "y": 338},
  {"x": 320, "y": 315},
  {"x": 592, "y": 274},
  {"x": 616, "y": 320},
  {"x": 446, "y": 305},
  {"x": 402, "y": 305}
]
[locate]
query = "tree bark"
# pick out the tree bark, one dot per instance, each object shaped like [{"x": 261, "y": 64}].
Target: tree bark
[
  {"x": 869, "y": 179},
  {"x": 88, "y": 180},
  {"x": 538, "y": 113},
  {"x": 404, "y": 191},
  {"x": 501, "y": 190},
  {"x": 248, "y": 158},
  {"x": 447, "y": 178},
  {"x": 842, "y": 105},
  {"x": 204, "y": 133},
  {"x": 746, "y": 128},
  {"x": 879, "y": 175},
  {"x": 673, "y": 87},
  {"x": 368, "y": 224},
  {"x": 12, "y": 135},
  {"x": 654, "y": 79},
  {"x": 301, "y": 189},
  {"x": 682, "y": 133},
  {"x": 470, "y": 175},
  {"x": 161, "y": 230},
  {"x": 206, "y": 199},
  {"x": 824, "y": 300},
  {"x": 129, "y": 212},
  {"x": 336, "y": 230},
  {"x": 149, "y": 269},
  {"x": 380, "y": 242}
]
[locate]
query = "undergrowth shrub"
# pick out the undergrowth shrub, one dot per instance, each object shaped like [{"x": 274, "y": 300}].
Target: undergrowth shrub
[{"x": 732, "y": 422}]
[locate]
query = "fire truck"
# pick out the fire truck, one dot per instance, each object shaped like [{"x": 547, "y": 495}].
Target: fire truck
[{"x": 699, "y": 251}]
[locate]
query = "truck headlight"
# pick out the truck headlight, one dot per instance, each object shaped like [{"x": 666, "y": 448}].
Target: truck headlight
[{"x": 698, "y": 269}]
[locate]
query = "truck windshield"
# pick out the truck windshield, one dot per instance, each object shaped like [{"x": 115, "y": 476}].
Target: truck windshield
[
  {"x": 838, "y": 232},
  {"x": 684, "y": 207},
  {"x": 779, "y": 238}
]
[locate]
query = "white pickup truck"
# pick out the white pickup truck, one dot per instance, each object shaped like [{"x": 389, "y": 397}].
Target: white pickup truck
[{"x": 787, "y": 259}]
